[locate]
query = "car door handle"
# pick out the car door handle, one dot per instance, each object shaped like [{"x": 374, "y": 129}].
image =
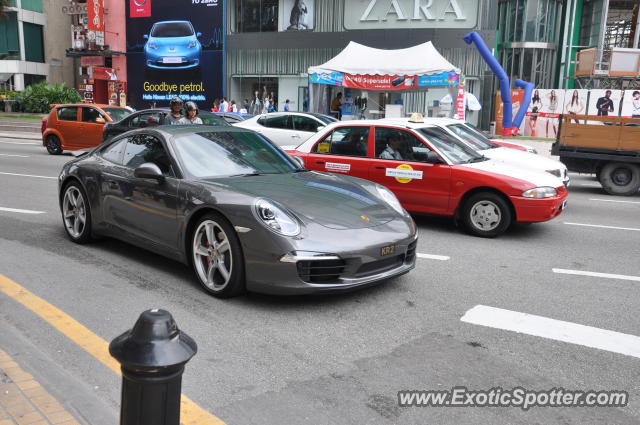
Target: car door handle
[
  {"x": 321, "y": 162},
  {"x": 295, "y": 136},
  {"x": 379, "y": 168}
]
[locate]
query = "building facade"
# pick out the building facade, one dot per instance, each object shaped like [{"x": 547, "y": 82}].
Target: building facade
[
  {"x": 22, "y": 48},
  {"x": 272, "y": 43}
]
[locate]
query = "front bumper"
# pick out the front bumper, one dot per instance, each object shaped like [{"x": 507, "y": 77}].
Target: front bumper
[
  {"x": 530, "y": 210},
  {"x": 350, "y": 268},
  {"x": 187, "y": 61}
]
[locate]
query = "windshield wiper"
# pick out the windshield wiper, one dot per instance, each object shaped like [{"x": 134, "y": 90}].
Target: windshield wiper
[{"x": 476, "y": 159}]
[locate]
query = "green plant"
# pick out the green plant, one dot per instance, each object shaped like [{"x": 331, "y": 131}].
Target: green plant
[
  {"x": 38, "y": 97},
  {"x": 7, "y": 94}
]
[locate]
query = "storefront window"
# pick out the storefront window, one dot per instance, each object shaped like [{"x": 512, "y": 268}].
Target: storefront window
[
  {"x": 261, "y": 93},
  {"x": 256, "y": 15}
]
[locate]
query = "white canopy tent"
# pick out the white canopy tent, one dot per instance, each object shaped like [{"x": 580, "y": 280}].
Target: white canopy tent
[{"x": 366, "y": 68}]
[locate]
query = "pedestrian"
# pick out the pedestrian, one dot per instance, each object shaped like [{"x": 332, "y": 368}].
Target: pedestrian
[
  {"x": 191, "y": 116},
  {"x": 336, "y": 106},
  {"x": 272, "y": 105},
  {"x": 216, "y": 106},
  {"x": 233, "y": 107},
  {"x": 176, "y": 111},
  {"x": 245, "y": 105},
  {"x": 287, "y": 107},
  {"x": 265, "y": 105},
  {"x": 224, "y": 105}
]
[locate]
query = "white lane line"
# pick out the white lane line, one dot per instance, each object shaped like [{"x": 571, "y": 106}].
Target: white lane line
[
  {"x": 603, "y": 227},
  {"x": 19, "y": 143},
  {"x": 17, "y": 210},
  {"x": 557, "y": 330},
  {"x": 596, "y": 274},
  {"x": 613, "y": 200},
  {"x": 433, "y": 257},
  {"x": 18, "y": 156},
  {"x": 587, "y": 184},
  {"x": 28, "y": 175}
]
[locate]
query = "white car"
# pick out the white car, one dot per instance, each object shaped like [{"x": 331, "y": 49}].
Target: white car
[
  {"x": 513, "y": 157},
  {"x": 287, "y": 128}
]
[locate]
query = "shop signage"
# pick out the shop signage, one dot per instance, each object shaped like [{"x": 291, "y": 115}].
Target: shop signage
[
  {"x": 100, "y": 73},
  {"x": 385, "y": 82},
  {"x": 460, "y": 103},
  {"x": 95, "y": 14},
  {"x": 92, "y": 61},
  {"x": 387, "y": 14},
  {"x": 74, "y": 9}
]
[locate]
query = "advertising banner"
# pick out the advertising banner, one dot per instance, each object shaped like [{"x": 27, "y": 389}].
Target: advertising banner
[
  {"x": 100, "y": 73},
  {"x": 631, "y": 104},
  {"x": 517, "y": 97},
  {"x": 92, "y": 61},
  {"x": 385, "y": 82},
  {"x": 575, "y": 102},
  {"x": 543, "y": 113},
  {"x": 175, "y": 48},
  {"x": 604, "y": 102},
  {"x": 298, "y": 15},
  {"x": 460, "y": 103},
  {"x": 95, "y": 27}
]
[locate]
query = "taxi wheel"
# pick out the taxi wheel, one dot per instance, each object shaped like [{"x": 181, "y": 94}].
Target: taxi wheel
[
  {"x": 486, "y": 214},
  {"x": 618, "y": 178},
  {"x": 216, "y": 257},
  {"x": 53, "y": 145}
]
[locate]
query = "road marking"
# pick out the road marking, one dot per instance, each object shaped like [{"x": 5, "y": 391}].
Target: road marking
[
  {"x": 613, "y": 200},
  {"x": 596, "y": 274},
  {"x": 587, "y": 185},
  {"x": 191, "y": 413},
  {"x": 557, "y": 330},
  {"x": 603, "y": 227},
  {"x": 17, "y": 210},
  {"x": 433, "y": 257},
  {"x": 19, "y": 143},
  {"x": 17, "y": 156},
  {"x": 28, "y": 175}
]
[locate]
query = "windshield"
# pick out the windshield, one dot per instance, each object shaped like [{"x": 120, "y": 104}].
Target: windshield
[
  {"x": 172, "y": 29},
  {"x": 455, "y": 150},
  {"x": 116, "y": 114},
  {"x": 325, "y": 118},
  {"x": 217, "y": 154},
  {"x": 209, "y": 118},
  {"x": 471, "y": 136}
]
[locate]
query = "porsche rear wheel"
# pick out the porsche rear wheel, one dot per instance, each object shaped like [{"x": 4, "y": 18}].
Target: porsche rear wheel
[
  {"x": 486, "y": 215},
  {"x": 217, "y": 258},
  {"x": 53, "y": 145},
  {"x": 76, "y": 214}
]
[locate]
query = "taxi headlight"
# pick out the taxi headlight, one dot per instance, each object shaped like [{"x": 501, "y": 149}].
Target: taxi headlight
[
  {"x": 391, "y": 199},
  {"x": 276, "y": 218},
  {"x": 557, "y": 172},
  {"x": 540, "y": 192}
]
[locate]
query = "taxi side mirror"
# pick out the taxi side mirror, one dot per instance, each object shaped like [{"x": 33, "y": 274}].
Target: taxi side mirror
[{"x": 100, "y": 120}]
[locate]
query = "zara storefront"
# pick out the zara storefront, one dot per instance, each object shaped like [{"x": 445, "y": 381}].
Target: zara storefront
[{"x": 272, "y": 43}]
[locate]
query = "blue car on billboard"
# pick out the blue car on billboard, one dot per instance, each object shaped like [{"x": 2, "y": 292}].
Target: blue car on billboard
[{"x": 172, "y": 45}]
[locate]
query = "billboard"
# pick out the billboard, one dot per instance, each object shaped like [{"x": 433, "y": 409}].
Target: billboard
[
  {"x": 298, "y": 15},
  {"x": 175, "y": 48}
]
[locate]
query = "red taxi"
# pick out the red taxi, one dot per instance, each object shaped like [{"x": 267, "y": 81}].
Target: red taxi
[{"x": 434, "y": 173}]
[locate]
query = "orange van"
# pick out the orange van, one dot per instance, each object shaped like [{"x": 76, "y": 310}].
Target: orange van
[{"x": 77, "y": 126}]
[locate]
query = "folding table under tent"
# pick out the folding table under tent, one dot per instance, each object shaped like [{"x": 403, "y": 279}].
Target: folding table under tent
[{"x": 366, "y": 68}]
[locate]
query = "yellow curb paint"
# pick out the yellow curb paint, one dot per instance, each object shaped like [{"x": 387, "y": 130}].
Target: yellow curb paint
[{"x": 191, "y": 413}]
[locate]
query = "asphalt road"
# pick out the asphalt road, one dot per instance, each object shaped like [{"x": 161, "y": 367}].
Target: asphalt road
[{"x": 342, "y": 359}]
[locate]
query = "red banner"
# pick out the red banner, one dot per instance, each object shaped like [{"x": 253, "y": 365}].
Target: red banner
[
  {"x": 95, "y": 15},
  {"x": 460, "y": 103},
  {"x": 92, "y": 61},
  {"x": 380, "y": 82},
  {"x": 100, "y": 73}
]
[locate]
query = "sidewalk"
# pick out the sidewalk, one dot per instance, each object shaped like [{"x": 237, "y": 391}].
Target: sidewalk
[{"x": 23, "y": 401}]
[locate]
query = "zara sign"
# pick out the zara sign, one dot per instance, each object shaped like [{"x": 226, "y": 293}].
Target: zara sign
[{"x": 386, "y": 14}]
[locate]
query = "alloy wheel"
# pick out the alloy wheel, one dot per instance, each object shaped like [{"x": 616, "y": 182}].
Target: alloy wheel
[
  {"x": 74, "y": 212},
  {"x": 212, "y": 255}
]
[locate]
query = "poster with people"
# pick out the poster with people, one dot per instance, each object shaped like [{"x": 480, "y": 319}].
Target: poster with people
[
  {"x": 174, "y": 48},
  {"x": 575, "y": 102},
  {"x": 604, "y": 103},
  {"x": 631, "y": 104},
  {"x": 516, "y": 99},
  {"x": 298, "y": 15},
  {"x": 543, "y": 113}
]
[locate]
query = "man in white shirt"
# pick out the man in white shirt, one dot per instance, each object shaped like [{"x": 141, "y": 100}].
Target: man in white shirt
[
  {"x": 224, "y": 105},
  {"x": 391, "y": 151}
]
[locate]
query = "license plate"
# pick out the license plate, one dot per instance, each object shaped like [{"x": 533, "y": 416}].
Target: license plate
[
  {"x": 564, "y": 205},
  {"x": 170, "y": 59},
  {"x": 387, "y": 250}
]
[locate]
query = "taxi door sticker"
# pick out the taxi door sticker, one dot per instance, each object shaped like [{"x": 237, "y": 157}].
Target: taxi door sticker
[
  {"x": 323, "y": 147},
  {"x": 337, "y": 167},
  {"x": 404, "y": 173}
]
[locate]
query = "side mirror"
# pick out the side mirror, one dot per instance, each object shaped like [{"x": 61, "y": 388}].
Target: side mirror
[
  {"x": 100, "y": 120},
  {"x": 149, "y": 170},
  {"x": 433, "y": 158},
  {"x": 146, "y": 36},
  {"x": 199, "y": 34},
  {"x": 320, "y": 128},
  {"x": 298, "y": 160}
]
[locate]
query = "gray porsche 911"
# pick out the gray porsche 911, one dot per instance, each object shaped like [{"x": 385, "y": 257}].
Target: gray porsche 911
[{"x": 237, "y": 208}]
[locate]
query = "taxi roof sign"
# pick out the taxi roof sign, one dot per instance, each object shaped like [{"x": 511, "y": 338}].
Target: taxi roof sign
[{"x": 416, "y": 117}]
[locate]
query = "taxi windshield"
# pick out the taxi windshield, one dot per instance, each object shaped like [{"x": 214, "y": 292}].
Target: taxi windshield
[
  {"x": 472, "y": 137},
  {"x": 456, "y": 151},
  {"x": 231, "y": 153}
]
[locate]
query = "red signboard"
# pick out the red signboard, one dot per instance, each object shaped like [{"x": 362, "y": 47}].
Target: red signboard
[
  {"x": 380, "y": 82},
  {"x": 140, "y": 8},
  {"x": 100, "y": 73},
  {"x": 95, "y": 15},
  {"x": 92, "y": 61},
  {"x": 460, "y": 103}
]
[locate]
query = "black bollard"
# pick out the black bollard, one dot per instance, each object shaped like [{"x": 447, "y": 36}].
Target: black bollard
[{"x": 152, "y": 356}]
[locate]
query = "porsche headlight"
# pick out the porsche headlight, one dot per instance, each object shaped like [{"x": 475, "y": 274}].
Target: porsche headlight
[
  {"x": 540, "y": 192},
  {"x": 276, "y": 219},
  {"x": 391, "y": 199},
  {"x": 557, "y": 172}
]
